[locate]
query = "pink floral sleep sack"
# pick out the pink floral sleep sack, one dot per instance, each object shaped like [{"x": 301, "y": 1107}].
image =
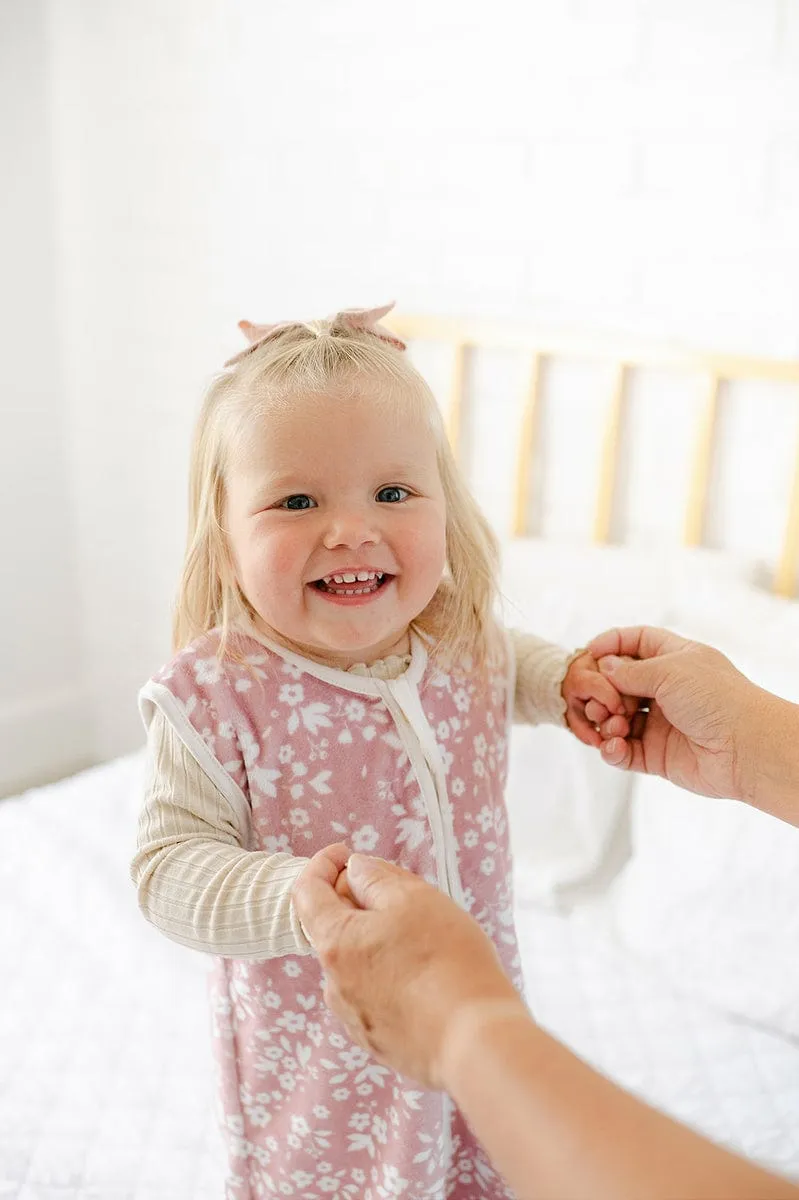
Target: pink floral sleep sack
[{"x": 410, "y": 769}]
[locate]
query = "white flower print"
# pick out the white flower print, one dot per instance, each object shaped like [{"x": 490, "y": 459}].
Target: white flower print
[
  {"x": 354, "y": 1058},
  {"x": 319, "y": 783},
  {"x": 264, "y": 779},
  {"x": 485, "y": 818},
  {"x": 393, "y": 1182},
  {"x": 468, "y": 899},
  {"x": 278, "y": 845},
  {"x": 410, "y": 832},
  {"x": 292, "y": 1022},
  {"x": 313, "y": 717},
  {"x": 287, "y": 1046},
  {"x": 250, "y": 749},
  {"x": 207, "y": 670},
  {"x": 365, "y": 839}
]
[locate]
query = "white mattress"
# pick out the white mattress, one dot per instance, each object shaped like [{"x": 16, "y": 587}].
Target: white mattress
[{"x": 105, "y": 1085}]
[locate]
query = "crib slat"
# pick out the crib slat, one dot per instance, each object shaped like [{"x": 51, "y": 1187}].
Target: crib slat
[
  {"x": 454, "y": 418},
  {"x": 696, "y": 511},
  {"x": 610, "y": 458},
  {"x": 528, "y": 437},
  {"x": 785, "y": 578}
]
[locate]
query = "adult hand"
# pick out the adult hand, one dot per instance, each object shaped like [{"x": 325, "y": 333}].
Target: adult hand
[
  {"x": 695, "y": 733},
  {"x": 404, "y": 969}
]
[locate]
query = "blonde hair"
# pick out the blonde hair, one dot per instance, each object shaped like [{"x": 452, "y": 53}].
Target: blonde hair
[{"x": 308, "y": 359}]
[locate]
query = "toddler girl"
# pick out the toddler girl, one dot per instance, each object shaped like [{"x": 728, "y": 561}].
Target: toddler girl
[{"x": 339, "y": 676}]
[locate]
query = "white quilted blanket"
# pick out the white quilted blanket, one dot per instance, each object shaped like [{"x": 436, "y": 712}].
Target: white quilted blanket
[{"x": 105, "y": 1087}]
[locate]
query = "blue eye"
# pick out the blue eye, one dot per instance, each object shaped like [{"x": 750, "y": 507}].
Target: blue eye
[
  {"x": 298, "y": 503},
  {"x": 392, "y": 495}
]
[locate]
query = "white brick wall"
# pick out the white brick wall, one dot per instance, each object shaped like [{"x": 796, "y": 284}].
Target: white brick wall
[{"x": 616, "y": 163}]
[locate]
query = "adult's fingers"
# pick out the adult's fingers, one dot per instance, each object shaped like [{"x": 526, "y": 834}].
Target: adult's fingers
[
  {"x": 319, "y": 907},
  {"x": 599, "y": 689},
  {"x": 378, "y": 884},
  {"x": 640, "y": 678},
  {"x": 638, "y": 641}
]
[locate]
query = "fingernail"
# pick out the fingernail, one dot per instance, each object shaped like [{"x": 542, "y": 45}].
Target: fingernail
[
  {"x": 609, "y": 663},
  {"x": 357, "y": 864}
]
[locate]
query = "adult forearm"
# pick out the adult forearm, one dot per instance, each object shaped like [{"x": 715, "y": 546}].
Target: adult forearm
[
  {"x": 557, "y": 1130},
  {"x": 768, "y": 764}
]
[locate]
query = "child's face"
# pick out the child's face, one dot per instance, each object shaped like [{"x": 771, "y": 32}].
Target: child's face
[{"x": 338, "y": 487}]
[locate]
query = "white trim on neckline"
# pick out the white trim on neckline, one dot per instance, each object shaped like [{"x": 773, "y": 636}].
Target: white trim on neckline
[{"x": 362, "y": 685}]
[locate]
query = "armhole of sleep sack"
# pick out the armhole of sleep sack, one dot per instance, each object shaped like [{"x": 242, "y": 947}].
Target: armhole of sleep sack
[{"x": 155, "y": 696}]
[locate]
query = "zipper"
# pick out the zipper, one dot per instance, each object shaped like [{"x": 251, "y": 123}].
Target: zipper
[{"x": 417, "y": 738}]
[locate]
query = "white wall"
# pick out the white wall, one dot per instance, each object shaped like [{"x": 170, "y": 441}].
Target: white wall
[
  {"x": 45, "y": 718},
  {"x": 622, "y": 164}
]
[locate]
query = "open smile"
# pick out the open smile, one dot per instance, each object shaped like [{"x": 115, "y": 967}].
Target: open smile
[{"x": 352, "y": 587}]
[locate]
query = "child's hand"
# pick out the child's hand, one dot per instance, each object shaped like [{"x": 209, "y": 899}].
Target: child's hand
[
  {"x": 343, "y": 888},
  {"x": 592, "y": 701}
]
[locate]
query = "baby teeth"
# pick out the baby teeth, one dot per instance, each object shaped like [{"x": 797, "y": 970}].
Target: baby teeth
[{"x": 351, "y": 577}]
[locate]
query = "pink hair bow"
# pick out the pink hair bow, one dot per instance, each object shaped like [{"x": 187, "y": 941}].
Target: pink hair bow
[{"x": 359, "y": 320}]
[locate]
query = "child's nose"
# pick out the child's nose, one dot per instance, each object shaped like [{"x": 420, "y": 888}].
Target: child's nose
[{"x": 352, "y": 529}]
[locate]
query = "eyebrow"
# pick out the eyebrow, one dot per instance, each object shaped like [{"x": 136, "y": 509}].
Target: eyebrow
[{"x": 284, "y": 483}]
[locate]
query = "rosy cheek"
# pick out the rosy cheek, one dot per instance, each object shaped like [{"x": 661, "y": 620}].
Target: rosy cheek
[{"x": 283, "y": 551}]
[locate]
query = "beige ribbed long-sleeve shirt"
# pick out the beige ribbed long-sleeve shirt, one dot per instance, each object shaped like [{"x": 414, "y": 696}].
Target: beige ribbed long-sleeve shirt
[{"x": 199, "y": 883}]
